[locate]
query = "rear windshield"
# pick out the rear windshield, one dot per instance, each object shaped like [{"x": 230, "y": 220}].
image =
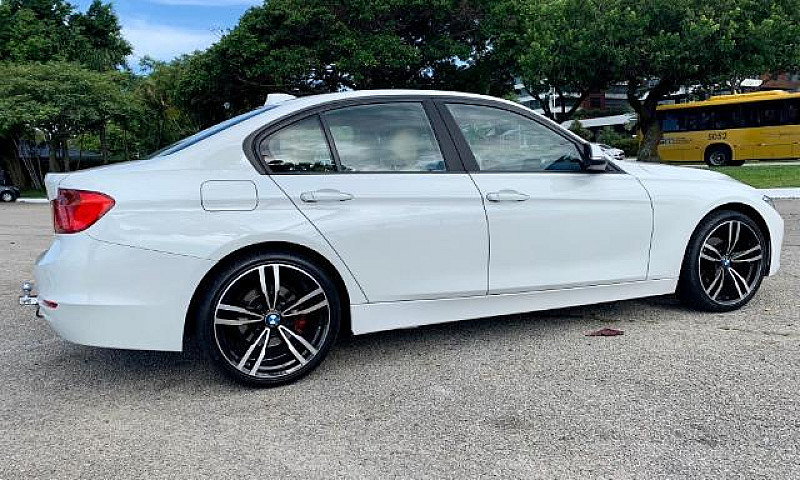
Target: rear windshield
[{"x": 202, "y": 135}]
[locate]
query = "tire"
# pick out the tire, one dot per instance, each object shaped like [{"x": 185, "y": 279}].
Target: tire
[
  {"x": 718, "y": 156},
  {"x": 7, "y": 197},
  {"x": 258, "y": 339},
  {"x": 724, "y": 263}
]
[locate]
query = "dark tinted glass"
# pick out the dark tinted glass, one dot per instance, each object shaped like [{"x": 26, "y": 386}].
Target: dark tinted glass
[
  {"x": 300, "y": 147},
  {"x": 504, "y": 141},
  {"x": 392, "y": 137},
  {"x": 771, "y": 113},
  {"x": 793, "y": 112}
]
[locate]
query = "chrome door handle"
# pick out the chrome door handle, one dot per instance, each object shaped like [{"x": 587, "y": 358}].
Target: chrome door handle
[
  {"x": 325, "y": 195},
  {"x": 507, "y": 196}
]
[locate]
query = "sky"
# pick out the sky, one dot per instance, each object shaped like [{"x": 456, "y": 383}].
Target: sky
[{"x": 164, "y": 29}]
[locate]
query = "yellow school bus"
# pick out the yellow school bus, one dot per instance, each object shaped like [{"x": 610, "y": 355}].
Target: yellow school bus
[{"x": 731, "y": 129}]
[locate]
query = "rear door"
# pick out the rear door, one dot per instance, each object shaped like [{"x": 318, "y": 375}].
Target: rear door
[{"x": 385, "y": 188}]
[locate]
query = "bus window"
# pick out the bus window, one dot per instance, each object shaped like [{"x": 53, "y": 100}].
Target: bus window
[
  {"x": 727, "y": 117},
  {"x": 749, "y": 116},
  {"x": 770, "y": 113},
  {"x": 705, "y": 119},
  {"x": 793, "y": 112},
  {"x": 669, "y": 122}
]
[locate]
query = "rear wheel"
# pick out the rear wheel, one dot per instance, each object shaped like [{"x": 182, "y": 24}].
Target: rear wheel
[
  {"x": 269, "y": 319},
  {"x": 718, "y": 156},
  {"x": 724, "y": 263}
]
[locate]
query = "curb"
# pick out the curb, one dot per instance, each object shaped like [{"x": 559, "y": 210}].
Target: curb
[
  {"x": 33, "y": 200},
  {"x": 781, "y": 193}
]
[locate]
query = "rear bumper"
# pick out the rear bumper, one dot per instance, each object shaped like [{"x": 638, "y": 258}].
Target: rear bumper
[{"x": 110, "y": 295}]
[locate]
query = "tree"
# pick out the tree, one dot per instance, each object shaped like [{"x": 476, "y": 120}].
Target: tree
[
  {"x": 161, "y": 120},
  {"x": 52, "y": 31},
  {"x": 34, "y": 30},
  {"x": 59, "y": 100},
  {"x": 315, "y": 46},
  {"x": 665, "y": 44},
  {"x": 97, "y": 40},
  {"x": 557, "y": 47}
]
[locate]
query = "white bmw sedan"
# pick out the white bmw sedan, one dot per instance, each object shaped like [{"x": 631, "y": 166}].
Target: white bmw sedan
[{"x": 271, "y": 233}]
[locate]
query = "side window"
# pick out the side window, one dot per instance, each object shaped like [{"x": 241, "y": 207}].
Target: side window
[
  {"x": 771, "y": 113},
  {"x": 669, "y": 121},
  {"x": 299, "y": 147},
  {"x": 392, "y": 137},
  {"x": 505, "y": 141}
]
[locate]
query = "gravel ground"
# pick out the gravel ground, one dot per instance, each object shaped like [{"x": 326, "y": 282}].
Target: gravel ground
[{"x": 680, "y": 395}]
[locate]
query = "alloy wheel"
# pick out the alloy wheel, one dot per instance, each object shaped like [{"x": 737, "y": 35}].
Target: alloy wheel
[
  {"x": 731, "y": 262},
  {"x": 271, "y": 320}
]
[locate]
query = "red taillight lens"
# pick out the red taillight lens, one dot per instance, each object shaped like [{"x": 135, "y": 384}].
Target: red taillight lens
[{"x": 76, "y": 210}]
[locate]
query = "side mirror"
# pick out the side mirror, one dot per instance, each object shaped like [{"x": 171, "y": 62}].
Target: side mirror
[{"x": 595, "y": 159}]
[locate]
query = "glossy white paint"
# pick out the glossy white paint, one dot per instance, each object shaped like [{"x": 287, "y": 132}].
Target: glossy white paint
[
  {"x": 573, "y": 229},
  {"x": 399, "y": 228},
  {"x": 411, "y": 249}
]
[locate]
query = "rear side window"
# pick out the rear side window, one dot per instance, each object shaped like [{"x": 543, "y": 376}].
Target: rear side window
[
  {"x": 300, "y": 147},
  {"x": 392, "y": 137}
]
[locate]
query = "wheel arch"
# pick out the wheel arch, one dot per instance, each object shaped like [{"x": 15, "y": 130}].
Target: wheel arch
[
  {"x": 724, "y": 145},
  {"x": 190, "y": 322},
  {"x": 744, "y": 209}
]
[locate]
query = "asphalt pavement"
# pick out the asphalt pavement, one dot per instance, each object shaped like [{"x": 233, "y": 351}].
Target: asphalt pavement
[{"x": 679, "y": 395}]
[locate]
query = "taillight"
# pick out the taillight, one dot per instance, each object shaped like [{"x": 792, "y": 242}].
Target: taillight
[{"x": 76, "y": 210}]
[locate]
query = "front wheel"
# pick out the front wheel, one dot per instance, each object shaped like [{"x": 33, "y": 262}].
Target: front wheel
[
  {"x": 269, "y": 319},
  {"x": 724, "y": 263},
  {"x": 718, "y": 156},
  {"x": 7, "y": 197}
]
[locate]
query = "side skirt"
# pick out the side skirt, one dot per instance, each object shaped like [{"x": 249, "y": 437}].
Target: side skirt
[{"x": 376, "y": 317}]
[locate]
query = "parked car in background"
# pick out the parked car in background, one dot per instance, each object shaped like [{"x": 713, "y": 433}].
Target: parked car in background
[
  {"x": 271, "y": 233},
  {"x": 614, "y": 153},
  {"x": 9, "y": 193}
]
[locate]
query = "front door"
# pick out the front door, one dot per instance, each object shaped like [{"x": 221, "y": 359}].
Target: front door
[
  {"x": 406, "y": 220},
  {"x": 551, "y": 224}
]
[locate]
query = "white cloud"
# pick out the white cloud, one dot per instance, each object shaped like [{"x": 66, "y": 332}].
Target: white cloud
[{"x": 164, "y": 42}]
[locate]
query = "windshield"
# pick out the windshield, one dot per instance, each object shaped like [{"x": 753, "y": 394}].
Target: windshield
[{"x": 202, "y": 135}]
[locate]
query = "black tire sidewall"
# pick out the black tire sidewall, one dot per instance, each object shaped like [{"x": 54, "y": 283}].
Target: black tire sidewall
[
  {"x": 214, "y": 289},
  {"x": 690, "y": 289},
  {"x": 724, "y": 151}
]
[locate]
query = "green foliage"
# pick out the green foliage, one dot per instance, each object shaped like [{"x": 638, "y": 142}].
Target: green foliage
[
  {"x": 557, "y": 47},
  {"x": 316, "y": 46},
  {"x": 58, "y": 97},
  {"x": 625, "y": 142},
  {"x": 162, "y": 120},
  {"x": 51, "y": 30},
  {"x": 602, "y": 112},
  {"x": 578, "y": 129}
]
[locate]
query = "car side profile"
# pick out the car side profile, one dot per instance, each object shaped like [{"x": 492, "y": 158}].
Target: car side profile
[{"x": 268, "y": 235}]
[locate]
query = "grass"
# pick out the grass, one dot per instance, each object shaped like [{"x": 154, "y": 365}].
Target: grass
[
  {"x": 32, "y": 193},
  {"x": 766, "y": 176}
]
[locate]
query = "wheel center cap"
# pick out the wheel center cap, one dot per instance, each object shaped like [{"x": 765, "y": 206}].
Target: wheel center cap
[
  {"x": 726, "y": 262},
  {"x": 272, "y": 319}
]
